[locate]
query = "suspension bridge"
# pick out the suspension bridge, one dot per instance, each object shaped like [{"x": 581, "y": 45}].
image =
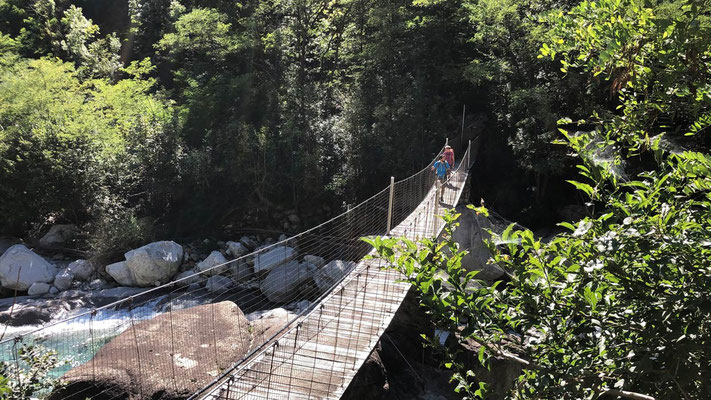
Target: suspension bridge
[{"x": 312, "y": 352}]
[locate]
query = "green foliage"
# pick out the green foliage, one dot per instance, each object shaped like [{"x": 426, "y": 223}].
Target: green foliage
[
  {"x": 202, "y": 32},
  {"x": 63, "y": 154},
  {"x": 116, "y": 229},
  {"x": 616, "y": 306},
  {"x": 653, "y": 63},
  {"x": 96, "y": 57},
  {"x": 30, "y": 376}
]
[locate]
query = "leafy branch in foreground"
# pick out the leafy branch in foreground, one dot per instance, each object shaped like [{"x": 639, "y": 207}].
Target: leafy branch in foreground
[
  {"x": 30, "y": 376},
  {"x": 618, "y": 305}
]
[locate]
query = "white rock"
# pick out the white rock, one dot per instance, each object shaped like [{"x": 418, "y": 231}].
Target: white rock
[
  {"x": 276, "y": 256},
  {"x": 20, "y": 268},
  {"x": 236, "y": 249},
  {"x": 82, "y": 269},
  {"x": 248, "y": 242},
  {"x": 240, "y": 271},
  {"x": 284, "y": 282},
  {"x": 332, "y": 273},
  {"x": 213, "y": 260},
  {"x": 57, "y": 236},
  {"x": 121, "y": 273},
  {"x": 158, "y": 261},
  {"x": 63, "y": 280},
  {"x": 38, "y": 289},
  {"x": 315, "y": 260},
  {"x": 191, "y": 278},
  {"x": 218, "y": 283}
]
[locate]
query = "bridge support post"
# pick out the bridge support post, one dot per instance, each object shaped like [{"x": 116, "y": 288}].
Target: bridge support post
[
  {"x": 436, "y": 210},
  {"x": 390, "y": 204}
]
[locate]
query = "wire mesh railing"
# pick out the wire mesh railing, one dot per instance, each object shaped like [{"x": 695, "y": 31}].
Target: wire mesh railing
[
  {"x": 192, "y": 334},
  {"x": 317, "y": 356}
]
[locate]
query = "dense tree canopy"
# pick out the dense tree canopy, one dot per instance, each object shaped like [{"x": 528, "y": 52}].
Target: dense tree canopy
[{"x": 186, "y": 114}]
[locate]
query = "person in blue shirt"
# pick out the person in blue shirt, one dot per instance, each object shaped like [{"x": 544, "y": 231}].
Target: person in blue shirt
[{"x": 441, "y": 167}]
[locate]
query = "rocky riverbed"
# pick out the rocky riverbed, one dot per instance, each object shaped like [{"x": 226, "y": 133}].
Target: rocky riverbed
[{"x": 268, "y": 280}]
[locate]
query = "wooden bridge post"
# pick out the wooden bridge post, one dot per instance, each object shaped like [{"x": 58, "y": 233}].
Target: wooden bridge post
[{"x": 390, "y": 204}]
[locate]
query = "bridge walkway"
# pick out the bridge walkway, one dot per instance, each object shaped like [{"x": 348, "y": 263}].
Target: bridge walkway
[{"x": 322, "y": 351}]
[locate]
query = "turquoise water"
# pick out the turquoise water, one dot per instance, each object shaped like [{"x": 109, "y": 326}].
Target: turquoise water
[{"x": 77, "y": 340}]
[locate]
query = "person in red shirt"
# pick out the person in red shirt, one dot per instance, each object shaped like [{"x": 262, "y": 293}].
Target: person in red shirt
[{"x": 449, "y": 156}]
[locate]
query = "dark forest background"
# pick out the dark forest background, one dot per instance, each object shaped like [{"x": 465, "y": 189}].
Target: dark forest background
[{"x": 154, "y": 118}]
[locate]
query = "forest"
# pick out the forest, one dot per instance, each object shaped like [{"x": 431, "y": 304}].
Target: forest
[{"x": 139, "y": 119}]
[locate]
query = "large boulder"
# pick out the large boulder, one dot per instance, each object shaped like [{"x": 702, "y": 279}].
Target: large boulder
[
  {"x": 207, "y": 266},
  {"x": 144, "y": 362},
  {"x": 82, "y": 269},
  {"x": 332, "y": 273},
  {"x": 285, "y": 282},
  {"x": 58, "y": 236},
  {"x": 266, "y": 261},
  {"x": 154, "y": 263},
  {"x": 470, "y": 235},
  {"x": 121, "y": 273},
  {"x": 20, "y": 268}
]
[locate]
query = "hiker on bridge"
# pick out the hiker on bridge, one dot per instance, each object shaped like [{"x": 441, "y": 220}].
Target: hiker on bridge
[
  {"x": 449, "y": 156},
  {"x": 441, "y": 167}
]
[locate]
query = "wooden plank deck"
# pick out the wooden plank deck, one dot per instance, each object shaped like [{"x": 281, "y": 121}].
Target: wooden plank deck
[{"x": 322, "y": 351}]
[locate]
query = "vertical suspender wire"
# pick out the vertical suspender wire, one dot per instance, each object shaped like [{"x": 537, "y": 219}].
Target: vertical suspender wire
[
  {"x": 172, "y": 339},
  {"x": 93, "y": 345},
  {"x": 293, "y": 355},
  {"x": 214, "y": 335},
  {"x": 138, "y": 352},
  {"x": 316, "y": 350},
  {"x": 16, "y": 356},
  {"x": 271, "y": 368}
]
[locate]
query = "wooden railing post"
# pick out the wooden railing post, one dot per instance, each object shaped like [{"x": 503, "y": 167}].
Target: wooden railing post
[{"x": 390, "y": 204}]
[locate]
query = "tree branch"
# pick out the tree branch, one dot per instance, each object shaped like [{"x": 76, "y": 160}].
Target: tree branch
[{"x": 627, "y": 394}]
